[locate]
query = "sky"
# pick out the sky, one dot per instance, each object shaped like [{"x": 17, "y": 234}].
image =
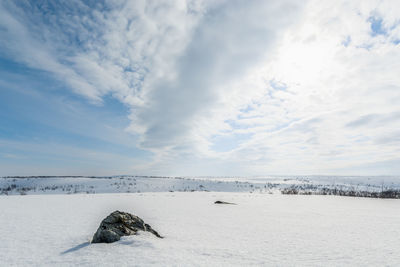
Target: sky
[{"x": 221, "y": 88}]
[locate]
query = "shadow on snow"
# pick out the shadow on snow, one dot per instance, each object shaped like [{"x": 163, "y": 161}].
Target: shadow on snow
[{"x": 76, "y": 248}]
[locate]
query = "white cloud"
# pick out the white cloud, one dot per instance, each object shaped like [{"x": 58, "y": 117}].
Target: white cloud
[{"x": 333, "y": 86}]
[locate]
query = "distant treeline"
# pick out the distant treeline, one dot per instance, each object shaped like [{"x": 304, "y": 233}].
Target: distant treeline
[{"x": 389, "y": 193}]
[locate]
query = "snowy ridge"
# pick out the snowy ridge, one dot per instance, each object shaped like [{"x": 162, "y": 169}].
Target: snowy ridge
[
  {"x": 115, "y": 184},
  {"x": 340, "y": 185}
]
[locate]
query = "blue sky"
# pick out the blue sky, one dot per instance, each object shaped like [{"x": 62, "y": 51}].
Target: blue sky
[
  {"x": 38, "y": 113},
  {"x": 199, "y": 87}
]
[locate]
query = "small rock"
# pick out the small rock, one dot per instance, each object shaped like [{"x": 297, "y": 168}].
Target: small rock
[
  {"x": 223, "y": 202},
  {"x": 119, "y": 224}
]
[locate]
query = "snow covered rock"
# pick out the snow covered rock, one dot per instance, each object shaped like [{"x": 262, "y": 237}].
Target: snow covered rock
[{"x": 119, "y": 224}]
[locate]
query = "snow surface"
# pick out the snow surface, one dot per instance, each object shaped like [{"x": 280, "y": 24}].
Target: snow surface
[{"x": 263, "y": 229}]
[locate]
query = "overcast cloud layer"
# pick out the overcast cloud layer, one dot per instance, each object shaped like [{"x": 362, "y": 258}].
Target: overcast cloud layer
[{"x": 225, "y": 87}]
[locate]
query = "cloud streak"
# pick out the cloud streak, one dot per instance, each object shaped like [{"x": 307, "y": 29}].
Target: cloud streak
[{"x": 230, "y": 38}]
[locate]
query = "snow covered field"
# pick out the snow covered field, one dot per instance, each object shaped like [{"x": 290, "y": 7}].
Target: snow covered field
[
  {"x": 118, "y": 184},
  {"x": 263, "y": 229},
  {"x": 139, "y": 184}
]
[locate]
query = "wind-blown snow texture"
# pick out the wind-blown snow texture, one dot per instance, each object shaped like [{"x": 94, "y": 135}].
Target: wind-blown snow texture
[{"x": 263, "y": 229}]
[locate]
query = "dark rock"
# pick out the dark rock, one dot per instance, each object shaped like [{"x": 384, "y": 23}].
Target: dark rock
[
  {"x": 119, "y": 224},
  {"x": 223, "y": 202}
]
